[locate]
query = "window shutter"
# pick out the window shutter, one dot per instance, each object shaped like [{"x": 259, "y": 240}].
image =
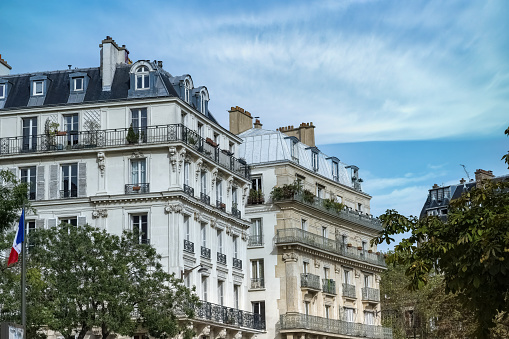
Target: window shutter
[
  {"x": 53, "y": 182},
  {"x": 40, "y": 183},
  {"x": 82, "y": 221},
  {"x": 39, "y": 224},
  {"x": 52, "y": 223},
  {"x": 82, "y": 179}
]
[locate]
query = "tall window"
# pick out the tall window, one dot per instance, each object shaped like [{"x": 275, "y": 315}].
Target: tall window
[
  {"x": 347, "y": 274},
  {"x": 327, "y": 311},
  {"x": 28, "y": 177},
  {"x": 320, "y": 191},
  {"x": 187, "y": 228},
  {"x": 220, "y": 292},
  {"x": 71, "y": 127},
  {"x": 203, "y": 180},
  {"x": 257, "y": 274},
  {"x": 236, "y": 296},
  {"x": 256, "y": 237},
  {"x": 364, "y": 246},
  {"x": 256, "y": 183},
  {"x": 186, "y": 173},
  {"x": 69, "y": 186},
  {"x": 142, "y": 78},
  {"x": 335, "y": 171},
  {"x": 234, "y": 197},
  {"x": 204, "y": 288},
  {"x": 259, "y": 312},
  {"x": 349, "y": 314},
  {"x": 203, "y": 103},
  {"x": 140, "y": 228},
  {"x": 187, "y": 90},
  {"x": 203, "y": 232},
  {"x": 138, "y": 171},
  {"x": 325, "y": 234},
  {"x": 235, "y": 246},
  {"x": 369, "y": 318},
  {"x": 367, "y": 280},
  {"x": 359, "y": 207},
  {"x": 305, "y": 267},
  {"x": 200, "y": 130},
  {"x": 71, "y": 221},
  {"x": 139, "y": 123},
  {"x": 326, "y": 272},
  {"x": 304, "y": 224},
  {"x": 314, "y": 157},
  {"x": 219, "y": 190},
  {"x": 306, "y": 307},
  {"x": 220, "y": 241},
  {"x": 29, "y": 134},
  {"x": 344, "y": 239},
  {"x": 2, "y": 91}
]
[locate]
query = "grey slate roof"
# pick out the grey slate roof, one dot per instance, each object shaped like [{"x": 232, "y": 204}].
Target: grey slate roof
[{"x": 262, "y": 146}]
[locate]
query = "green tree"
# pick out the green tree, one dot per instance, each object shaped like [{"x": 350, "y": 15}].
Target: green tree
[
  {"x": 93, "y": 279},
  {"x": 12, "y": 196}
]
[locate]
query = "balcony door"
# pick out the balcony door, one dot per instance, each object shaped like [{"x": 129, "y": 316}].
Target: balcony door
[
  {"x": 139, "y": 123},
  {"x": 138, "y": 172},
  {"x": 29, "y": 134},
  {"x": 71, "y": 127}
]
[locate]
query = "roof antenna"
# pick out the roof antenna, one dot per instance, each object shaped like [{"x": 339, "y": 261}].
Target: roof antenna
[
  {"x": 465, "y": 169},
  {"x": 69, "y": 66}
]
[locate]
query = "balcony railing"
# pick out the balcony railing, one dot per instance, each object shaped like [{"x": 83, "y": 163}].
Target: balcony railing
[
  {"x": 370, "y": 294},
  {"x": 188, "y": 246},
  {"x": 64, "y": 194},
  {"x": 328, "y": 286},
  {"x": 189, "y": 190},
  {"x": 237, "y": 263},
  {"x": 221, "y": 258},
  {"x": 298, "y": 322},
  {"x": 229, "y": 316},
  {"x": 236, "y": 213},
  {"x": 31, "y": 195},
  {"x": 349, "y": 291},
  {"x": 255, "y": 240},
  {"x": 297, "y": 235},
  {"x": 345, "y": 214},
  {"x": 257, "y": 283},
  {"x": 160, "y": 134},
  {"x": 205, "y": 198},
  {"x": 221, "y": 205},
  {"x": 137, "y": 188},
  {"x": 308, "y": 280},
  {"x": 205, "y": 252}
]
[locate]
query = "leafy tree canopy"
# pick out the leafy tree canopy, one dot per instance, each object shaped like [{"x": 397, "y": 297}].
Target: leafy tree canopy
[{"x": 12, "y": 196}]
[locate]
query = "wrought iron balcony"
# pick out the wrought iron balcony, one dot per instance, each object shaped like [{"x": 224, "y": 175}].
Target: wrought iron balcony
[
  {"x": 205, "y": 252},
  {"x": 221, "y": 258},
  {"x": 188, "y": 246},
  {"x": 137, "y": 188},
  {"x": 31, "y": 195},
  {"x": 257, "y": 283},
  {"x": 108, "y": 138},
  {"x": 255, "y": 240},
  {"x": 205, "y": 198},
  {"x": 237, "y": 263},
  {"x": 189, "y": 190},
  {"x": 297, "y": 235},
  {"x": 64, "y": 194},
  {"x": 328, "y": 286},
  {"x": 311, "y": 281},
  {"x": 144, "y": 241},
  {"x": 229, "y": 316},
  {"x": 236, "y": 213},
  {"x": 221, "y": 205},
  {"x": 349, "y": 291},
  {"x": 370, "y": 294},
  {"x": 299, "y": 322},
  {"x": 345, "y": 214}
]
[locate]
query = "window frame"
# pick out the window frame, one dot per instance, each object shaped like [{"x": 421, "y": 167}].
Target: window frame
[
  {"x": 3, "y": 90},
  {"x": 142, "y": 73},
  {"x": 142, "y": 237},
  {"x": 34, "y": 88},
  {"x": 141, "y": 172},
  {"x": 75, "y": 81},
  {"x": 27, "y": 178},
  {"x": 71, "y": 167}
]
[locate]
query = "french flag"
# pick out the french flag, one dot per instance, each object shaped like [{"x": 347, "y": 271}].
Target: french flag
[{"x": 18, "y": 240}]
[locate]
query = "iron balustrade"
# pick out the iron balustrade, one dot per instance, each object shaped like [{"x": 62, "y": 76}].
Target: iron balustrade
[
  {"x": 237, "y": 263},
  {"x": 370, "y": 294},
  {"x": 221, "y": 258},
  {"x": 205, "y": 252},
  {"x": 221, "y": 205},
  {"x": 205, "y": 198},
  {"x": 64, "y": 194},
  {"x": 159, "y": 134},
  {"x": 229, "y": 316},
  {"x": 188, "y": 246},
  {"x": 236, "y": 212},
  {"x": 189, "y": 190},
  {"x": 293, "y": 322},
  {"x": 297, "y": 235},
  {"x": 144, "y": 241},
  {"x": 349, "y": 291},
  {"x": 328, "y": 286},
  {"x": 137, "y": 188},
  {"x": 345, "y": 214},
  {"x": 257, "y": 283},
  {"x": 31, "y": 195},
  {"x": 309, "y": 280},
  {"x": 255, "y": 240}
]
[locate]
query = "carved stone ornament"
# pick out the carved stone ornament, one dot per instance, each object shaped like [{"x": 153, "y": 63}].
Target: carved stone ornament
[
  {"x": 206, "y": 330},
  {"x": 229, "y": 185},
  {"x": 213, "y": 223},
  {"x": 222, "y": 334},
  {"x": 177, "y": 208},
  {"x": 137, "y": 155},
  {"x": 337, "y": 268},
  {"x": 377, "y": 278},
  {"x": 173, "y": 158},
  {"x": 100, "y": 162},
  {"x": 214, "y": 177},
  {"x": 317, "y": 263},
  {"x": 102, "y": 213},
  {"x": 182, "y": 157},
  {"x": 290, "y": 257},
  {"x": 228, "y": 229},
  {"x": 199, "y": 164},
  {"x": 245, "y": 236},
  {"x": 197, "y": 216},
  {"x": 238, "y": 335},
  {"x": 244, "y": 194},
  {"x": 357, "y": 273}
]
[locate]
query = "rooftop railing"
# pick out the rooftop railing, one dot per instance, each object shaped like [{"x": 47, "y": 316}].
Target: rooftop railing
[
  {"x": 325, "y": 325},
  {"x": 296, "y": 235},
  {"x": 159, "y": 134}
]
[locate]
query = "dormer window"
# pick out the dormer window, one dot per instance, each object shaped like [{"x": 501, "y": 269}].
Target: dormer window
[
  {"x": 335, "y": 171},
  {"x": 204, "y": 98},
  {"x": 314, "y": 157},
  {"x": 187, "y": 90},
  {"x": 142, "y": 78},
  {"x": 38, "y": 88},
  {"x": 202, "y": 108},
  {"x": 78, "y": 84},
  {"x": 2, "y": 91}
]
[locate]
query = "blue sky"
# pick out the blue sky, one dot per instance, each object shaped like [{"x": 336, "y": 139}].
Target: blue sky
[{"x": 406, "y": 90}]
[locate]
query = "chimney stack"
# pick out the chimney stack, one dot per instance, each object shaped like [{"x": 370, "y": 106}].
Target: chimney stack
[
  {"x": 258, "y": 124},
  {"x": 5, "y": 69},
  {"x": 435, "y": 186},
  {"x": 240, "y": 120},
  {"x": 305, "y": 133},
  {"x": 482, "y": 175},
  {"x": 111, "y": 56},
  {"x": 462, "y": 181}
]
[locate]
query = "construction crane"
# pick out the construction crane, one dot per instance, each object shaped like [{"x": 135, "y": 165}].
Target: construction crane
[{"x": 465, "y": 169}]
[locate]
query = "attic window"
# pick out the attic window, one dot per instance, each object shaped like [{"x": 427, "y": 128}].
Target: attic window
[
  {"x": 202, "y": 108},
  {"x": 314, "y": 157},
  {"x": 78, "y": 84},
  {"x": 2, "y": 91},
  {"x": 38, "y": 87},
  {"x": 335, "y": 171},
  {"x": 187, "y": 90},
  {"x": 142, "y": 78}
]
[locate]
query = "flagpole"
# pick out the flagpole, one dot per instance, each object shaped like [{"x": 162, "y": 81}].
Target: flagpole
[{"x": 23, "y": 275}]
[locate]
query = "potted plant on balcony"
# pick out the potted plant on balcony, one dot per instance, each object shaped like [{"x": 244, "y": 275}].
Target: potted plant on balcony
[
  {"x": 92, "y": 128},
  {"x": 308, "y": 196},
  {"x": 51, "y": 130},
  {"x": 255, "y": 197},
  {"x": 349, "y": 245},
  {"x": 359, "y": 248},
  {"x": 132, "y": 137},
  {"x": 211, "y": 142},
  {"x": 136, "y": 188}
]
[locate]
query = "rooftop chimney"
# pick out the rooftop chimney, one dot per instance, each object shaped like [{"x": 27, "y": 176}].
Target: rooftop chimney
[
  {"x": 462, "y": 181},
  {"x": 240, "y": 120},
  {"x": 5, "y": 69},
  {"x": 481, "y": 175},
  {"x": 305, "y": 133},
  {"x": 435, "y": 186},
  {"x": 111, "y": 56},
  {"x": 258, "y": 124}
]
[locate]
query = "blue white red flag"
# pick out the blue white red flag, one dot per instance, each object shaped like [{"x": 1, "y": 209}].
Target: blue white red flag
[{"x": 18, "y": 240}]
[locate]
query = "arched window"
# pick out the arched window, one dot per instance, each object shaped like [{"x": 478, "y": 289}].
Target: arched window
[
  {"x": 187, "y": 90},
  {"x": 142, "y": 77}
]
